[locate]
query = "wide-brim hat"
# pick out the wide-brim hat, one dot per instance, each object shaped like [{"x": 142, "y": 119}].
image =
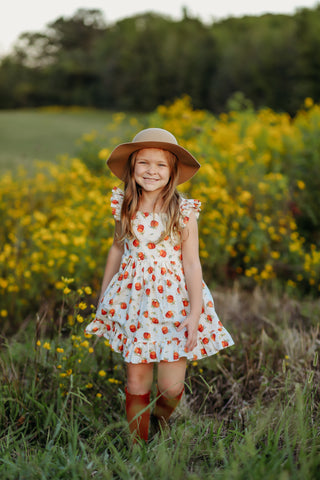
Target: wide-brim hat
[{"x": 153, "y": 138}]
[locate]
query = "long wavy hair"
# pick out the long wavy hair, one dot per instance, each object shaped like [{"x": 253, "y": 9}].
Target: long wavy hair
[{"x": 169, "y": 198}]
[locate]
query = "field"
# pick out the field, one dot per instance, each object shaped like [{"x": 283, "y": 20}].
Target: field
[
  {"x": 45, "y": 133},
  {"x": 249, "y": 412}
]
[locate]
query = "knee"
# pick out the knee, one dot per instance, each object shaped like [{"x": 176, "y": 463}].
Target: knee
[
  {"x": 170, "y": 390},
  {"x": 138, "y": 384}
]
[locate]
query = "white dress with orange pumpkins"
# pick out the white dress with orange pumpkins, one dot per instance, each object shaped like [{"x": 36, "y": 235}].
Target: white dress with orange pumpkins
[{"x": 147, "y": 299}]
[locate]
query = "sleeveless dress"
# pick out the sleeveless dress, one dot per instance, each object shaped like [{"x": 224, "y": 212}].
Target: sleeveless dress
[{"x": 147, "y": 299}]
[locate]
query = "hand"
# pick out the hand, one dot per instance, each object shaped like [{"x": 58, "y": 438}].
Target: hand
[{"x": 191, "y": 323}]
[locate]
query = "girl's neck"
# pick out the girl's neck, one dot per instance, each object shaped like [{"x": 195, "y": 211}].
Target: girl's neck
[{"x": 150, "y": 202}]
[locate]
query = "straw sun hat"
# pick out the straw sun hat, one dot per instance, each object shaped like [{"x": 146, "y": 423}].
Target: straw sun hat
[{"x": 153, "y": 138}]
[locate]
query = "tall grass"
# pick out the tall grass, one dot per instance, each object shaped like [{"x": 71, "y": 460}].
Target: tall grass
[{"x": 249, "y": 412}]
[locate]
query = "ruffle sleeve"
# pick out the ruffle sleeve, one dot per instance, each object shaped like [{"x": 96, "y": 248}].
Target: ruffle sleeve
[
  {"x": 188, "y": 205},
  {"x": 116, "y": 202}
]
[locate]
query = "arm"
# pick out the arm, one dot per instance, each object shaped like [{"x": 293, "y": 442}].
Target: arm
[
  {"x": 113, "y": 260},
  {"x": 193, "y": 276}
]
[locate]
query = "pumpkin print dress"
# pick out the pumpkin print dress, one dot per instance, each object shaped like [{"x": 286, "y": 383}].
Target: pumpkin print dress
[{"x": 147, "y": 299}]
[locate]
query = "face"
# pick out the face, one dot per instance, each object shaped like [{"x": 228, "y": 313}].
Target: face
[{"x": 152, "y": 169}]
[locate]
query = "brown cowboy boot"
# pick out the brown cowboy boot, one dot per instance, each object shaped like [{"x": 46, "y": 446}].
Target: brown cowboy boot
[
  {"x": 138, "y": 426},
  {"x": 163, "y": 409}
]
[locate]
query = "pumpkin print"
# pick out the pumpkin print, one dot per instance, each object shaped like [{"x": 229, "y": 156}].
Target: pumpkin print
[{"x": 149, "y": 298}]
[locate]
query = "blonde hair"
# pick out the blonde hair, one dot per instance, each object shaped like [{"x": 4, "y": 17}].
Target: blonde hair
[{"x": 169, "y": 196}]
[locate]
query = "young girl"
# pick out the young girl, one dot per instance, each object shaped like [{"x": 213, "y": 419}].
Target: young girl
[{"x": 154, "y": 306}]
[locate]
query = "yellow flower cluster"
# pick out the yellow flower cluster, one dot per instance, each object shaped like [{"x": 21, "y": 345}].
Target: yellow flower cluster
[{"x": 54, "y": 225}]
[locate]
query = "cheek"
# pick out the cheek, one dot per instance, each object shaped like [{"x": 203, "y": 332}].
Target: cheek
[{"x": 137, "y": 170}]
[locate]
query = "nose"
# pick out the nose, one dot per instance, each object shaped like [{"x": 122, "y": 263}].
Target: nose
[{"x": 152, "y": 169}]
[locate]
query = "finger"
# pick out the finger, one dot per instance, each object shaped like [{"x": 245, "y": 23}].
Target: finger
[
  {"x": 190, "y": 344},
  {"x": 182, "y": 326}
]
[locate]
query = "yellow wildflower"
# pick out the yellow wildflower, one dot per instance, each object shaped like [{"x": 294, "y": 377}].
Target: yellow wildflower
[
  {"x": 114, "y": 380},
  {"x": 67, "y": 280},
  {"x": 102, "y": 373},
  {"x": 60, "y": 350},
  {"x": 301, "y": 184},
  {"x": 66, "y": 290},
  {"x": 104, "y": 153},
  {"x": 47, "y": 346},
  {"x": 308, "y": 102},
  {"x": 82, "y": 305}
]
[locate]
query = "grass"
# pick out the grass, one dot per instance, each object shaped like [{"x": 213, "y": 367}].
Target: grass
[
  {"x": 249, "y": 412},
  {"x": 44, "y": 134}
]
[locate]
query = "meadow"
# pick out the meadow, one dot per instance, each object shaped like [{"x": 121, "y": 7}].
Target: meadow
[{"x": 251, "y": 411}]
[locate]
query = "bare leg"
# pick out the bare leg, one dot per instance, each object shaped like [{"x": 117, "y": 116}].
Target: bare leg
[
  {"x": 171, "y": 376},
  {"x": 139, "y": 378}
]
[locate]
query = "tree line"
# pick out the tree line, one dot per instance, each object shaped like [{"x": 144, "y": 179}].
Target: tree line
[{"x": 142, "y": 61}]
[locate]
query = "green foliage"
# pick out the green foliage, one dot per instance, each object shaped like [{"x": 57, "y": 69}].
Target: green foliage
[{"x": 148, "y": 59}]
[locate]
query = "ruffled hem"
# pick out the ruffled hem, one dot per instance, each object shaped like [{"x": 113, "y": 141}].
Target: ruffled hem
[{"x": 165, "y": 351}]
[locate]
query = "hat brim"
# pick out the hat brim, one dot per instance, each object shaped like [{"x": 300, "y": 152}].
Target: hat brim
[{"x": 188, "y": 165}]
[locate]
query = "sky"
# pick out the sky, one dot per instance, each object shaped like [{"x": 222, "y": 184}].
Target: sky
[{"x": 18, "y": 16}]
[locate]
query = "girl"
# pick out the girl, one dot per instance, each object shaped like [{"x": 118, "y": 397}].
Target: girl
[{"x": 154, "y": 306}]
